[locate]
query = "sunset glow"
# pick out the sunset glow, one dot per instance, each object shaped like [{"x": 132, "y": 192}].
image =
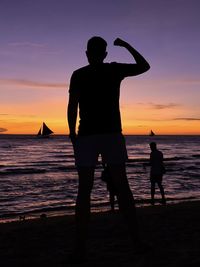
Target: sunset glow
[{"x": 43, "y": 42}]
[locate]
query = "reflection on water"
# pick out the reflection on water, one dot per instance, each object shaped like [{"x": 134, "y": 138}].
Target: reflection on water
[{"x": 38, "y": 175}]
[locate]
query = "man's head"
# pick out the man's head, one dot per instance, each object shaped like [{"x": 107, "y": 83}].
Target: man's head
[
  {"x": 96, "y": 50},
  {"x": 153, "y": 146}
]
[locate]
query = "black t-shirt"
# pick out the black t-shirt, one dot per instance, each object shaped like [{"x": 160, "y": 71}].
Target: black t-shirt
[{"x": 98, "y": 88}]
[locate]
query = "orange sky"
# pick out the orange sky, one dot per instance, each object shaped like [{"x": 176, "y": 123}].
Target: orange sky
[
  {"x": 137, "y": 117},
  {"x": 139, "y": 113},
  {"x": 41, "y": 45}
]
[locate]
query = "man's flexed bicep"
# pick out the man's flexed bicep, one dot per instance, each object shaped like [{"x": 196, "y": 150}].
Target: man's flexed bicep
[{"x": 140, "y": 65}]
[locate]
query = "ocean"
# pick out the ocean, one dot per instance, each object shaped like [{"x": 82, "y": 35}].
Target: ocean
[{"x": 38, "y": 175}]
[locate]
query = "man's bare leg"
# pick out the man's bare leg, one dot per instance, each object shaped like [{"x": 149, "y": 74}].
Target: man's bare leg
[
  {"x": 152, "y": 192},
  {"x": 125, "y": 199},
  {"x": 162, "y": 192},
  {"x": 112, "y": 201},
  {"x": 82, "y": 212}
]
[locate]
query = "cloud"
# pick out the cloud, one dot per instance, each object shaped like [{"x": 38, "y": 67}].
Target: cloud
[
  {"x": 2, "y": 130},
  {"x": 186, "y": 119},
  {"x": 32, "y": 84},
  {"x": 188, "y": 81},
  {"x": 164, "y": 106},
  {"x": 11, "y": 116},
  {"x": 28, "y": 44},
  {"x": 160, "y": 106},
  {"x": 39, "y": 47},
  {"x": 141, "y": 126}
]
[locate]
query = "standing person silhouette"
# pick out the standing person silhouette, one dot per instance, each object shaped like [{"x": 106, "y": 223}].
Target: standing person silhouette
[
  {"x": 94, "y": 91},
  {"x": 156, "y": 172}
]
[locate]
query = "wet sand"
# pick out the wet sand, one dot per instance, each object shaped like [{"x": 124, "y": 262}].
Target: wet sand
[{"x": 172, "y": 230}]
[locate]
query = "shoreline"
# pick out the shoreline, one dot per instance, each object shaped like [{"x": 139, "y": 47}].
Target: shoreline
[
  {"x": 105, "y": 207},
  {"x": 172, "y": 230},
  {"x": 60, "y": 214}
]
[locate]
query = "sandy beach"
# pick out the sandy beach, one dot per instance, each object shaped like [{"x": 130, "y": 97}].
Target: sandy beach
[{"x": 173, "y": 231}]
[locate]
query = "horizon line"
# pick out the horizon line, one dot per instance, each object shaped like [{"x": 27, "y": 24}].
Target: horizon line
[{"x": 123, "y": 134}]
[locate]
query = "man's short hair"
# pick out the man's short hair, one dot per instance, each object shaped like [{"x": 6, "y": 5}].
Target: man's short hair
[
  {"x": 153, "y": 145},
  {"x": 96, "y": 43}
]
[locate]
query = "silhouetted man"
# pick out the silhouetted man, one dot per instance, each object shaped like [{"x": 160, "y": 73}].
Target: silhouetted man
[
  {"x": 95, "y": 90},
  {"x": 156, "y": 172}
]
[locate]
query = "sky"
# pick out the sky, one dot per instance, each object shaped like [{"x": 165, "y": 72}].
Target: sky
[{"x": 43, "y": 41}]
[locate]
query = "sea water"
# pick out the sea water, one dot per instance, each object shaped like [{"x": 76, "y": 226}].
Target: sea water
[{"x": 39, "y": 176}]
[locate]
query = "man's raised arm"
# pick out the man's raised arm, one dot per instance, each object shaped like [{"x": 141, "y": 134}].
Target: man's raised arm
[{"x": 141, "y": 64}]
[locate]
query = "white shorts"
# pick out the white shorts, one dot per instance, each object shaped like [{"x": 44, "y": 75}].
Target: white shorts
[{"x": 111, "y": 147}]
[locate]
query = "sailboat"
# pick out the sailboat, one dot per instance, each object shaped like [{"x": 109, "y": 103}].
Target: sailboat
[
  {"x": 44, "y": 131},
  {"x": 151, "y": 133}
]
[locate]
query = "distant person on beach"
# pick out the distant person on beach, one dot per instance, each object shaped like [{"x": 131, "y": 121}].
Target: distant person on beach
[
  {"x": 94, "y": 91},
  {"x": 156, "y": 172},
  {"x": 106, "y": 177}
]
